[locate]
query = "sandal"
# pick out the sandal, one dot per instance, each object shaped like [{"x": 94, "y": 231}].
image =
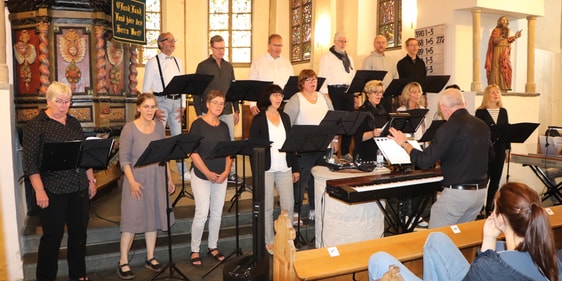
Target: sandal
[
  {"x": 218, "y": 255},
  {"x": 156, "y": 267},
  {"x": 125, "y": 275},
  {"x": 195, "y": 261}
]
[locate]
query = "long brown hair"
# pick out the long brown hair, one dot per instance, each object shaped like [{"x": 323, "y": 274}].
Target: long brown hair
[{"x": 521, "y": 206}]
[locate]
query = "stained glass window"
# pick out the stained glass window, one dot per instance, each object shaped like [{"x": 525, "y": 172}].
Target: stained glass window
[
  {"x": 232, "y": 19},
  {"x": 153, "y": 26},
  {"x": 390, "y": 21},
  {"x": 301, "y": 29}
]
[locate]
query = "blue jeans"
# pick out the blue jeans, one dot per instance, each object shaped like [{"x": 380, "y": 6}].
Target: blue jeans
[{"x": 442, "y": 261}]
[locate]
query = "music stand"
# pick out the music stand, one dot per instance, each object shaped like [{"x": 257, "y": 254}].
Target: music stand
[
  {"x": 302, "y": 139},
  {"x": 193, "y": 84},
  {"x": 362, "y": 77},
  {"x": 347, "y": 122},
  {"x": 232, "y": 149},
  {"x": 393, "y": 90},
  {"x": 513, "y": 133},
  {"x": 76, "y": 154},
  {"x": 291, "y": 87},
  {"x": 188, "y": 84},
  {"x": 430, "y": 132},
  {"x": 246, "y": 90},
  {"x": 162, "y": 151},
  {"x": 434, "y": 83}
]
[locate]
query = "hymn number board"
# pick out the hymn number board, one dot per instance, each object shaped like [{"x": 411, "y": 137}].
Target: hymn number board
[{"x": 431, "y": 42}]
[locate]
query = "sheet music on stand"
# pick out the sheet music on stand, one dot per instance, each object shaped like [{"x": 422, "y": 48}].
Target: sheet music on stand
[{"x": 393, "y": 152}]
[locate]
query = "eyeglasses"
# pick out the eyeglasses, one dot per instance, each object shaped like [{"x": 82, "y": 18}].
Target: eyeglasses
[
  {"x": 342, "y": 41},
  {"x": 378, "y": 93},
  {"x": 62, "y": 102},
  {"x": 169, "y": 40},
  {"x": 219, "y": 49},
  {"x": 217, "y": 103},
  {"x": 311, "y": 79}
]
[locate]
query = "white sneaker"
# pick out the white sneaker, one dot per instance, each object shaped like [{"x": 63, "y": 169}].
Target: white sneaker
[{"x": 311, "y": 215}]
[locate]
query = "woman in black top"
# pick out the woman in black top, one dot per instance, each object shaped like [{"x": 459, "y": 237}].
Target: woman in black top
[
  {"x": 493, "y": 113},
  {"x": 365, "y": 146},
  {"x": 62, "y": 196}
]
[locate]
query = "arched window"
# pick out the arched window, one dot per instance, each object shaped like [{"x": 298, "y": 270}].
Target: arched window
[
  {"x": 301, "y": 29},
  {"x": 153, "y": 26},
  {"x": 232, "y": 19},
  {"x": 390, "y": 22}
]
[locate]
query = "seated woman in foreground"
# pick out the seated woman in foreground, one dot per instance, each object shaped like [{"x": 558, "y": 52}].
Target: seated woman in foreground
[{"x": 528, "y": 252}]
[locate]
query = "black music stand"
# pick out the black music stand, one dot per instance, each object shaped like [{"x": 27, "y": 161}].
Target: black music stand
[
  {"x": 76, "y": 154},
  {"x": 405, "y": 121},
  {"x": 513, "y": 133},
  {"x": 346, "y": 122},
  {"x": 162, "y": 151},
  {"x": 393, "y": 90},
  {"x": 302, "y": 139},
  {"x": 362, "y": 77},
  {"x": 434, "y": 83},
  {"x": 291, "y": 87},
  {"x": 188, "y": 84},
  {"x": 249, "y": 90},
  {"x": 193, "y": 84},
  {"x": 232, "y": 149},
  {"x": 430, "y": 132}
]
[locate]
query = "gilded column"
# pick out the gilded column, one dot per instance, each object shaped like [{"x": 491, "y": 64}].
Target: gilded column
[
  {"x": 476, "y": 85},
  {"x": 4, "y": 79},
  {"x": 44, "y": 57},
  {"x": 101, "y": 85},
  {"x": 133, "y": 70},
  {"x": 530, "y": 86}
]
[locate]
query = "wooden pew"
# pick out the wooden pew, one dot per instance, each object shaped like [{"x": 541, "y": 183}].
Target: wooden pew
[{"x": 316, "y": 264}]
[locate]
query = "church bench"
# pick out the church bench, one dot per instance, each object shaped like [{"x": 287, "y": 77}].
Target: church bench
[{"x": 316, "y": 264}]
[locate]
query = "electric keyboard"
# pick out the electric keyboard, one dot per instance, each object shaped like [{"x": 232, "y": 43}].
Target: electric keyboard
[
  {"x": 539, "y": 160},
  {"x": 395, "y": 185}
]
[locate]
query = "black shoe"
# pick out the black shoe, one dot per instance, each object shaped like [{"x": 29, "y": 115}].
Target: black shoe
[
  {"x": 156, "y": 267},
  {"x": 125, "y": 275}
]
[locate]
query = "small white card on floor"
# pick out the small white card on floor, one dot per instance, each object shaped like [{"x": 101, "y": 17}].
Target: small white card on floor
[
  {"x": 549, "y": 211},
  {"x": 333, "y": 251},
  {"x": 455, "y": 228}
]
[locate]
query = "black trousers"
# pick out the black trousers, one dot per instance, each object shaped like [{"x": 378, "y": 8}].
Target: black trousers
[
  {"x": 72, "y": 210},
  {"x": 342, "y": 101}
]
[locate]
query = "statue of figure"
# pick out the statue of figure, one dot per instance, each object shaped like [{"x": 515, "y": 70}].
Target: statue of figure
[{"x": 498, "y": 65}]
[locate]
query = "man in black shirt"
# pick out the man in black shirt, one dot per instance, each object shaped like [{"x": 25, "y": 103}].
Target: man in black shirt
[
  {"x": 412, "y": 66},
  {"x": 464, "y": 148}
]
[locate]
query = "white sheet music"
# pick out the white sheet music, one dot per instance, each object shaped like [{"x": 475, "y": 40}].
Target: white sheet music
[{"x": 393, "y": 152}]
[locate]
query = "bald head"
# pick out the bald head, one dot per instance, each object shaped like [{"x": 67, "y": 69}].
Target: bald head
[{"x": 450, "y": 101}]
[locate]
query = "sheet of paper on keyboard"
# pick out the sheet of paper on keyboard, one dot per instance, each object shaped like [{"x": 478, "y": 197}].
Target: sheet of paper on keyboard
[
  {"x": 415, "y": 144},
  {"x": 392, "y": 151}
]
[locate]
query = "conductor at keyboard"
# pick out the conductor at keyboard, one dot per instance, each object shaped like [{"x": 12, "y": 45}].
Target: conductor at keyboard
[{"x": 463, "y": 146}]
